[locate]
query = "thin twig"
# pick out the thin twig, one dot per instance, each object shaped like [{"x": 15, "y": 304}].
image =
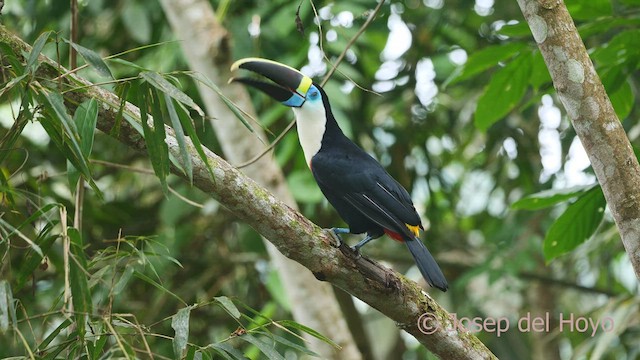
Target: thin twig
[{"x": 352, "y": 41}]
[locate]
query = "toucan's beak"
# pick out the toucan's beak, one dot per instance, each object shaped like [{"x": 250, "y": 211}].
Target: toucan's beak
[{"x": 290, "y": 87}]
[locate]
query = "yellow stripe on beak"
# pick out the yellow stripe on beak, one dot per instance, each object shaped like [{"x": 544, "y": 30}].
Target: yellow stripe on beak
[{"x": 304, "y": 86}]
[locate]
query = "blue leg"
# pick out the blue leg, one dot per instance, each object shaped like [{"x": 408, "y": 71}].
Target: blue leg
[
  {"x": 363, "y": 242},
  {"x": 337, "y": 232}
]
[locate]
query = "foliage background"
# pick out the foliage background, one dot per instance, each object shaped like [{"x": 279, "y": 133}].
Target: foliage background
[{"x": 466, "y": 117}]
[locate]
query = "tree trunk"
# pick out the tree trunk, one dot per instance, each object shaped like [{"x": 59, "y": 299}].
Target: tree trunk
[{"x": 592, "y": 115}]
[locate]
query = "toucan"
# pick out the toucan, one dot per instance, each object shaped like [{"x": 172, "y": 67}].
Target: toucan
[{"x": 367, "y": 198}]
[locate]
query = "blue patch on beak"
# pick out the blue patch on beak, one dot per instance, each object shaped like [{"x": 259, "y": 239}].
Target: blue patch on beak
[{"x": 294, "y": 101}]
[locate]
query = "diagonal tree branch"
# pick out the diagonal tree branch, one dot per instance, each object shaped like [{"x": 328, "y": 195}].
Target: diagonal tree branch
[
  {"x": 295, "y": 236},
  {"x": 592, "y": 115},
  {"x": 205, "y": 44}
]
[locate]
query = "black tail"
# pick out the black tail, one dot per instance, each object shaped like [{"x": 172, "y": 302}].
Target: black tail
[{"x": 427, "y": 264}]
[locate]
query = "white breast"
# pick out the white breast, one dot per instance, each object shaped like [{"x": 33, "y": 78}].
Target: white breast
[{"x": 311, "y": 122}]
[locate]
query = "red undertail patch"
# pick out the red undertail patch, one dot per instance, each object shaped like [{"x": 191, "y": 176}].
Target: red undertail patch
[{"x": 394, "y": 235}]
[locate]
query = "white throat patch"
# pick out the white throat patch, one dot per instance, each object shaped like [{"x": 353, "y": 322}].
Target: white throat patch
[{"x": 311, "y": 121}]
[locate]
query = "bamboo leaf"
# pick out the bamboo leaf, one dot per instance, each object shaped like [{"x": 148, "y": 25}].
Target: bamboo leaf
[
  {"x": 576, "y": 225},
  {"x": 187, "y": 125},
  {"x": 227, "y": 351},
  {"x": 38, "y": 45},
  {"x": 294, "y": 325},
  {"x": 156, "y": 147},
  {"x": 7, "y": 307},
  {"x": 268, "y": 350},
  {"x": 155, "y": 284},
  {"x": 229, "y": 306},
  {"x": 180, "y": 324},
  {"x": 78, "y": 281},
  {"x": 234, "y": 109},
  {"x": 85, "y": 118},
  {"x": 93, "y": 59},
  {"x": 292, "y": 345},
  {"x": 186, "y": 164},
  {"x": 156, "y": 80}
]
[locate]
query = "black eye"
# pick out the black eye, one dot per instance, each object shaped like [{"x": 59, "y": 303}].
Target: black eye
[{"x": 314, "y": 94}]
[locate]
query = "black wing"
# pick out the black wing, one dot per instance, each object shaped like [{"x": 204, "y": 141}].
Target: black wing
[{"x": 357, "y": 182}]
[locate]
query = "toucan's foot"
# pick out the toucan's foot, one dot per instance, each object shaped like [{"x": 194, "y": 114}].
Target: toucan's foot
[
  {"x": 362, "y": 243},
  {"x": 335, "y": 233}
]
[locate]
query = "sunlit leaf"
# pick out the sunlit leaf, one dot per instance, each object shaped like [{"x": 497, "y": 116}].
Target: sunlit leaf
[
  {"x": 576, "y": 225},
  {"x": 485, "y": 59},
  {"x": 505, "y": 90}
]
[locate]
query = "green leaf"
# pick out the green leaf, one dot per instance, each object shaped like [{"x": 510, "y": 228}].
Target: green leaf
[
  {"x": 294, "y": 325},
  {"x": 156, "y": 80},
  {"x": 505, "y": 90},
  {"x": 547, "y": 198},
  {"x": 180, "y": 324},
  {"x": 54, "y": 334},
  {"x": 122, "y": 90},
  {"x": 154, "y": 137},
  {"x": 539, "y": 72},
  {"x": 93, "y": 59},
  {"x": 485, "y": 59},
  {"x": 78, "y": 281},
  {"x": 76, "y": 156},
  {"x": 520, "y": 29},
  {"x": 623, "y": 100},
  {"x": 576, "y": 224},
  {"x": 589, "y": 9},
  {"x": 268, "y": 350},
  {"x": 85, "y": 118},
  {"x": 228, "y": 306},
  {"x": 187, "y": 166},
  {"x": 38, "y": 45},
  {"x": 187, "y": 125},
  {"x": 619, "y": 50}
]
